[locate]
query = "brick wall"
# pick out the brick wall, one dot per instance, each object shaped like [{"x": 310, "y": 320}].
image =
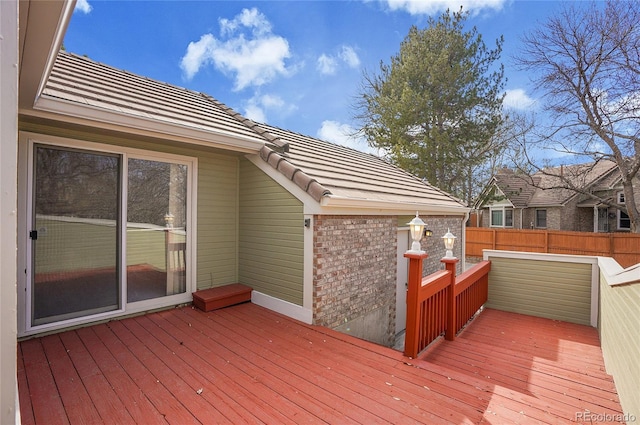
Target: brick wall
[{"x": 355, "y": 275}]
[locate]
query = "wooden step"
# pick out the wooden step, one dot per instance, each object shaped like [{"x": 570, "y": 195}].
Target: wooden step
[{"x": 221, "y": 296}]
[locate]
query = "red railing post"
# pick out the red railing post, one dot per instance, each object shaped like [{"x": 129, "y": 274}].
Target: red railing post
[
  {"x": 413, "y": 302},
  {"x": 450, "y": 265}
]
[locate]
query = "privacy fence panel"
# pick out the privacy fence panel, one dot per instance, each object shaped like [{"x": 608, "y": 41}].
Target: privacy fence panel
[{"x": 623, "y": 247}]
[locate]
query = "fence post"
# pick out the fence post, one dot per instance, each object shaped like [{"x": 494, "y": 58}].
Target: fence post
[
  {"x": 450, "y": 266},
  {"x": 413, "y": 302}
]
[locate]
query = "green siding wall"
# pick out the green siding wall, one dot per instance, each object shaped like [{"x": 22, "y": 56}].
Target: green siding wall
[
  {"x": 271, "y": 236},
  {"x": 217, "y": 208},
  {"x": 551, "y": 289},
  {"x": 619, "y": 330}
]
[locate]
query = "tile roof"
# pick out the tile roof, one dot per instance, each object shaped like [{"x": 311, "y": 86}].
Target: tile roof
[
  {"x": 79, "y": 81},
  {"x": 547, "y": 187},
  {"x": 518, "y": 188},
  {"x": 79, "y": 86},
  {"x": 550, "y": 191},
  {"x": 326, "y": 169}
]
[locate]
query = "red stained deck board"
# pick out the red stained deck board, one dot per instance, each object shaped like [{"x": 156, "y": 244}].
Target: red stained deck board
[
  {"x": 137, "y": 359},
  {"x": 136, "y": 404},
  {"x": 256, "y": 366},
  {"x": 102, "y": 394},
  {"x": 250, "y": 366},
  {"x": 198, "y": 394},
  {"x": 255, "y": 370},
  {"x": 223, "y": 366},
  {"x": 26, "y": 408},
  {"x": 388, "y": 390},
  {"x": 41, "y": 385}
]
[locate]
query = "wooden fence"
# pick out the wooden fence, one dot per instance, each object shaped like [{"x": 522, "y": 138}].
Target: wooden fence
[
  {"x": 441, "y": 303},
  {"x": 623, "y": 247}
]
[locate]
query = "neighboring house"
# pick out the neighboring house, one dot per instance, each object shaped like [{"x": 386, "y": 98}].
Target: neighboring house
[
  {"x": 116, "y": 173},
  {"x": 515, "y": 200}
]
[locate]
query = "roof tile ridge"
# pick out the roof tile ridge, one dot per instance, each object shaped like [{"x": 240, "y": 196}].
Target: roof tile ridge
[
  {"x": 293, "y": 173},
  {"x": 249, "y": 123}
]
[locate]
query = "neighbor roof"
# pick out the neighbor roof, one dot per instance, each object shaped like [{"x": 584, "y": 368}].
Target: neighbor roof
[
  {"x": 546, "y": 187},
  {"x": 82, "y": 88},
  {"x": 335, "y": 175}
]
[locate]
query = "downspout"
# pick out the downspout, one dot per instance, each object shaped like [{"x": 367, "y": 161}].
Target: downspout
[
  {"x": 595, "y": 218},
  {"x": 464, "y": 241}
]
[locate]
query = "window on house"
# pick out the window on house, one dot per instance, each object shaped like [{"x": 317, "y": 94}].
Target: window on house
[
  {"x": 508, "y": 218},
  {"x": 623, "y": 221},
  {"x": 621, "y": 198},
  {"x": 496, "y": 218},
  {"x": 502, "y": 217},
  {"x": 541, "y": 218}
]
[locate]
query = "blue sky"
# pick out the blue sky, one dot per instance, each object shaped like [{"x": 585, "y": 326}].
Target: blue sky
[{"x": 297, "y": 65}]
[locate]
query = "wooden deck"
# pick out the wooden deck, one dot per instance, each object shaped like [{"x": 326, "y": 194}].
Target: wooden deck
[{"x": 245, "y": 364}]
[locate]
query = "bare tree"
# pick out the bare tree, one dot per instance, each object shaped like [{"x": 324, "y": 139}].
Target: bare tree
[{"x": 587, "y": 63}]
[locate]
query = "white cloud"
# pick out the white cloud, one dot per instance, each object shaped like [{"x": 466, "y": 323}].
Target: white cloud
[
  {"x": 518, "y": 99},
  {"x": 349, "y": 56},
  {"x": 329, "y": 64},
  {"x": 342, "y": 134},
  {"x": 83, "y": 6},
  {"x": 430, "y": 7},
  {"x": 258, "y": 106},
  {"x": 248, "y": 51}
]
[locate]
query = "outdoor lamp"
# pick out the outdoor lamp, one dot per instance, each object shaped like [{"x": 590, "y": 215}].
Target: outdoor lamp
[
  {"x": 168, "y": 220},
  {"x": 416, "y": 226},
  {"x": 449, "y": 239}
]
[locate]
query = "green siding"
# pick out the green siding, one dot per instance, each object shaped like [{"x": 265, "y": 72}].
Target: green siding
[
  {"x": 217, "y": 208},
  {"x": 619, "y": 329},
  {"x": 271, "y": 236},
  {"x": 551, "y": 289}
]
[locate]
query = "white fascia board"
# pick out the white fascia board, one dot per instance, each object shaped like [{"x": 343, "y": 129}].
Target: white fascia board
[
  {"x": 425, "y": 208},
  {"x": 615, "y": 274},
  {"x": 95, "y": 117}
]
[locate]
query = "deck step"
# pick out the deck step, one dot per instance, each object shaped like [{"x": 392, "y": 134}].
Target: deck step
[{"x": 221, "y": 296}]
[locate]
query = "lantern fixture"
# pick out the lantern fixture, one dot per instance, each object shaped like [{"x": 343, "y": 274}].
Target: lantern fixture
[
  {"x": 449, "y": 240},
  {"x": 416, "y": 227}
]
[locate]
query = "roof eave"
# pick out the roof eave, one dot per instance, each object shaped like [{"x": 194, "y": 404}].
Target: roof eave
[
  {"x": 332, "y": 201},
  {"x": 47, "y": 107}
]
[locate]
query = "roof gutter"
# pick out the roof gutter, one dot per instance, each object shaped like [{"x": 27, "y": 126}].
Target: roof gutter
[
  {"x": 333, "y": 201},
  {"x": 50, "y": 108}
]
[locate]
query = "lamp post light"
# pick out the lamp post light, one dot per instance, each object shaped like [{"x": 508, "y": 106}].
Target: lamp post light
[
  {"x": 449, "y": 240},
  {"x": 416, "y": 227}
]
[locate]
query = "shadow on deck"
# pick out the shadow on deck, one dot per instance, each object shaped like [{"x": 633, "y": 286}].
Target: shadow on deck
[{"x": 247, "y": 364}]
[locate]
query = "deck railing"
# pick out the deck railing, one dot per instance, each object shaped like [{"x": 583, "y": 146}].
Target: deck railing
[{"x": 441, "y": 303}]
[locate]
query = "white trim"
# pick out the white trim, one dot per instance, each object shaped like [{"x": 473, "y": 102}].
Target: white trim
[
  {"x": 9, "y": 71},
  {"x": 504, "y": 209},
  {"x": 27, "y": 142},
  {"x": 307, "y": 266},
  {"x": 618, "y": 218},
  {"x": 47, "y": 107},
  {"x": 286, "y": 308},
  {"x": 563, "y": 258},
  {"x": 615, "y": 274}
]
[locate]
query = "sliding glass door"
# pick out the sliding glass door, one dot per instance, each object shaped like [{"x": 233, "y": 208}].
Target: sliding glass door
[
  {"x": 156, "y": 229},
  {"x": 109, "y": 230},
  {"x": 75, "y": 234}
]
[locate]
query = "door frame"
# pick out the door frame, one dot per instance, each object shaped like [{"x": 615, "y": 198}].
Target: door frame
[
  {"x": 402, "y": 276},
  {"x": 26, "y": 144}
]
